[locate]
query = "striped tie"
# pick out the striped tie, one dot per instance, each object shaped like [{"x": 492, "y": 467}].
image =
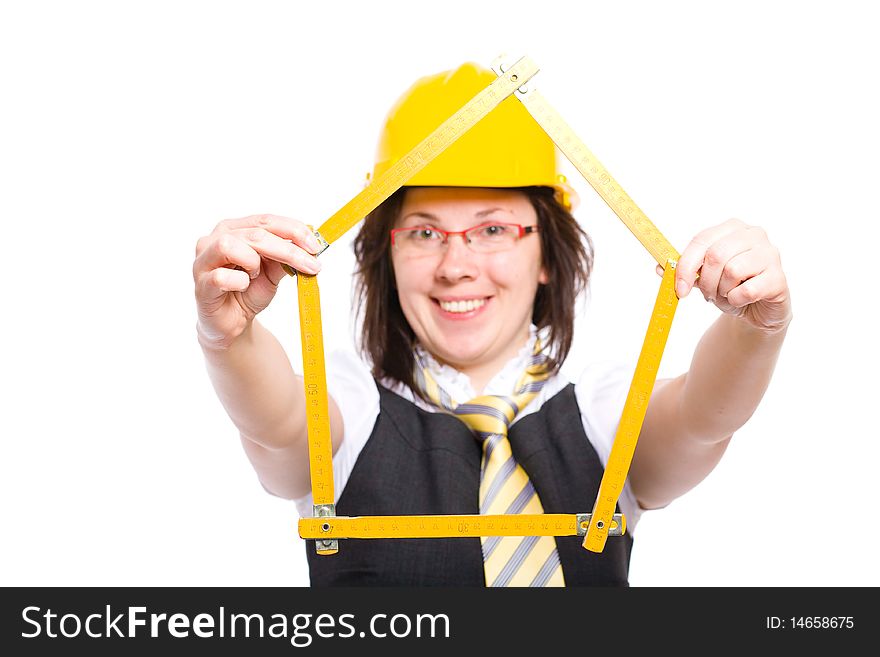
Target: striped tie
[{"x": 504, "y": 485}]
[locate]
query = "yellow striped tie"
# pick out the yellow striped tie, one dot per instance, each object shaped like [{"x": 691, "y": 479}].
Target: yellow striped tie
[{"x": 504, "y": 485}]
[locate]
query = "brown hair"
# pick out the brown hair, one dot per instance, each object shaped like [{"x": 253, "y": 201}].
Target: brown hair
[{"x": 387, "y": 339}]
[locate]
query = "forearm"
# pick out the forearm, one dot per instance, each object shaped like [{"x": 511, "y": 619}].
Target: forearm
[
  {"x": 729, "y": 374},
  {"x": 256, "y": 384}
]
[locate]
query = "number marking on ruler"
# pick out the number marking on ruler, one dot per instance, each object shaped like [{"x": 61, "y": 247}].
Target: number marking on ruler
[
  {"x": 634, "y": 409},
  {"x": 549, "y": 524},
  {"x": 598, "y": 177},
  {"x": 315, "y": 384}
]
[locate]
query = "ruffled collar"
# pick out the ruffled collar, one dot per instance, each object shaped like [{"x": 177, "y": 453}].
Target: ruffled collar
[{"x": 458, "y": 384}]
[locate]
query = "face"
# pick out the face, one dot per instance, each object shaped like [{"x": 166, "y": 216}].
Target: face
[{"x": 469, "y": 310}]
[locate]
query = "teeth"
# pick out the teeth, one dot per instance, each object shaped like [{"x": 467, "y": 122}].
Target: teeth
[{"x": 462, "y": 306}]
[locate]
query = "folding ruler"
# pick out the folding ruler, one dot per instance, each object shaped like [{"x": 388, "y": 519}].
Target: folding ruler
[{"x": 326, "y": 527}]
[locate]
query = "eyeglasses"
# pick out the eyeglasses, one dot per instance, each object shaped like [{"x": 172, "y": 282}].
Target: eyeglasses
[{"x": 485, "y": 238}]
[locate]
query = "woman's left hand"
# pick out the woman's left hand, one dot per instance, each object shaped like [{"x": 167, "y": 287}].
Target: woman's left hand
[{"x": 740, "y": 272}]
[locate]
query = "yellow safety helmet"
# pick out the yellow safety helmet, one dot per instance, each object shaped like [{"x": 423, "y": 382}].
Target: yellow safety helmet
[{"x": 507, "y": 148}]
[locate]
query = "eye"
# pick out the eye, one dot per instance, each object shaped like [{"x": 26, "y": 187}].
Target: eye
[
  {"x": 425, "y": 234},
  {"x": 493, "y": 231},
  {"x": 421, "y": 234}
]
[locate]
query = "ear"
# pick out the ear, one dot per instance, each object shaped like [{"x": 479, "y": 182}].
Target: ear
[{"x": 543, "y": 277}]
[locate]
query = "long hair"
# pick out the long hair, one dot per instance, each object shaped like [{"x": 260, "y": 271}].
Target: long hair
[{"x": 388, "y": 341}]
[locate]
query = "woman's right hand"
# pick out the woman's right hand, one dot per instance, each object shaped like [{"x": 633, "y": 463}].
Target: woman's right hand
[{"x": 238, "y": 267}]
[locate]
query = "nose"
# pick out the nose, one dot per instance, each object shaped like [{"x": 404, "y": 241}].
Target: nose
[{"x": 458, "y": 261}]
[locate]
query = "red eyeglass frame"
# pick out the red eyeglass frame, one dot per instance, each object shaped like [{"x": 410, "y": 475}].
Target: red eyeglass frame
[{"x": 522, "y": 231}]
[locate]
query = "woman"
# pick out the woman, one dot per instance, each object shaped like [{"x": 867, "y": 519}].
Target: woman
[{"x": 467, "y": 279}]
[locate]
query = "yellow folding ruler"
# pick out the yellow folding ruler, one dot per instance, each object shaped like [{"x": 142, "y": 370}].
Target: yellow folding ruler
[{"x": 326, "y": 527}]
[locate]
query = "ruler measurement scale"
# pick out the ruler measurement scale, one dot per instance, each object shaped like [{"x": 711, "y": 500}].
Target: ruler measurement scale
[
  {"x": 603, "y": 521},
  {"x": 624, "y": 445},
  {"x": 598, "y": 177},
  {"x": 454, "y": 526},
  {"x": 315, "y": 384}
]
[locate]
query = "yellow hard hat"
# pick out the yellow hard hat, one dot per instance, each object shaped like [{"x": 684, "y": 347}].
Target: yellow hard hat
[{"x": 507, "y": 148}]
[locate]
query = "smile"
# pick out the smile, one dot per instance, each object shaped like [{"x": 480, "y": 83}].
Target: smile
[{"x": 462, "y": 306}]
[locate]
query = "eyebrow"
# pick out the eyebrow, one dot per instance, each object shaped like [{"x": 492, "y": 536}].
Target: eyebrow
[{"x": 431, "y": 217}]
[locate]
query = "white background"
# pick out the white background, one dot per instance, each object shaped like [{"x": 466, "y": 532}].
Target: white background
[{"x": 128, "y": 130}]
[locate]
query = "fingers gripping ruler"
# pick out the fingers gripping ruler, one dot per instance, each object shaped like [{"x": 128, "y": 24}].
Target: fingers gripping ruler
[{"x": 326, "y": 527}]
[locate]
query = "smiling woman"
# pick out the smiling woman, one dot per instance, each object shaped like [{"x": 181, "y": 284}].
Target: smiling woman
[
  {"x": 506, "y": 280},
  {"x": 467, "y": 280}
]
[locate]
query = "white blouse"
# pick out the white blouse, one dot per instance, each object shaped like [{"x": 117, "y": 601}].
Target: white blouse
[{"x": 600, "y": 392}]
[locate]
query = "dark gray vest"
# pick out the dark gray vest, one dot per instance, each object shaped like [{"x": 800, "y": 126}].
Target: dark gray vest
[{"x": 417, "y": 462}]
